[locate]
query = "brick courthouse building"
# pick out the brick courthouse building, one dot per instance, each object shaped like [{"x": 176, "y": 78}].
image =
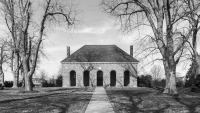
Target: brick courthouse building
[{"x": 99, "y": 65}]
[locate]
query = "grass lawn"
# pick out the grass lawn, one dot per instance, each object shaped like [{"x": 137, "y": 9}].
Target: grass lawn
[
  {"x": 45, "y": 100},
  {"x": 146, "y": 100}
]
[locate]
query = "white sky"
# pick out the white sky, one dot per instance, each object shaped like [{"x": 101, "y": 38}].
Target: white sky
[{"x": 96, "y": 28}]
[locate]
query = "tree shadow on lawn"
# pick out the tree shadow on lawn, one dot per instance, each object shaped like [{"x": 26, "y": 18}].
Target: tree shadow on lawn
[
  {"x": 32, "y": 97},
  {"x": 150, "y": 100},
  {"x": 123, "y": 100},
  {"x": 69, "y": 89},
  {"x": 61, "y": 102},
  {"x": 39, "y": 95},
  {"x": 186, "y": 98},
  {"x": 133, "y": 101},
  {"x": 64, "y": 89},
  {"x": 190, "y": 103}
]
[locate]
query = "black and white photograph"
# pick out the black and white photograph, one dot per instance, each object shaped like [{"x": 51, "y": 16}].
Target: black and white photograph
[{"x": 99, "y": 56}]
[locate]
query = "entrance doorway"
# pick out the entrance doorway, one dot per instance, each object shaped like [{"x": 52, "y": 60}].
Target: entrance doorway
[
  {"x": 99, "y": 78},
  {"x": 126, "y": 78},
  {"x": 72, "y": 78},
  {"x": 86, "y": 78},
  {"x": 112, "y": 78}
]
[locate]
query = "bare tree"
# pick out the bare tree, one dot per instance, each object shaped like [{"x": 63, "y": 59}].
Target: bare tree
[
  {"x": 156, "y": 72},
  {"x": 192, "y": 16},
  {"x": 4, "y": 56},
  {"x": 154, "y": 13},
  {"x": 55, "y": 12},
  {"x": 43, "y": 75},
  {"x": 9, "y": 9}
]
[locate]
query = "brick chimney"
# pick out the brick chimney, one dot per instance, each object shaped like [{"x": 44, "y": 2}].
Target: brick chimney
[
  {"x": 131, "y": 50},
  {"x": 68, "y": 51}
]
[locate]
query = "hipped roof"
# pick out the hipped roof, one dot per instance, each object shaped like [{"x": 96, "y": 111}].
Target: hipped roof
[{"x": 99, "y": 53}]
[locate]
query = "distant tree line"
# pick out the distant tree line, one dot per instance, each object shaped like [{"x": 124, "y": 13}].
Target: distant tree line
[
  {"x": 44, "y": 82},
  {"x": 147, "y": 81},
  {"x": 52, "y": 82},
  {"x": 154, "y": 80}
]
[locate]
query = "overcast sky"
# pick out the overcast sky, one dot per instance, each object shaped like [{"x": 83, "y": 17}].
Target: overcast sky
[{"x": 97, "y": 28}]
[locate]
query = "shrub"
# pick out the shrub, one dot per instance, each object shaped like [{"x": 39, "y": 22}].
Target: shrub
[
  {"x": 179, "y": 84},
  {"x": 1, "y": 87},
  {"x": 159, "y": 83},
  {"x": 44, "y": 83},
  {"x": 190, "y": 75},
  {"x": 190, "y": 80},
  {"x": 8, "y": 83},
  {"x": 145, "y": 81},
  {"x": 59, "y": 81},
  {"x": 193, "y": 89},
  {"x": 52, "y": 82},
  {"x": 197, "y": 81}
]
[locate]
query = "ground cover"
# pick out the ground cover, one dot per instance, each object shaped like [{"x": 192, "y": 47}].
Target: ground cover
[
  {"x": 147, "y": 100},
  {"x": 45, "y": 100}
]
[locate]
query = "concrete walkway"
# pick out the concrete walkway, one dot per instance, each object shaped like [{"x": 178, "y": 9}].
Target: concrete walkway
[{"x": 99, "y": 102}]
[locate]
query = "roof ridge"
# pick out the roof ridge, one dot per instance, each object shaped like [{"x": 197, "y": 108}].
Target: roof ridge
[
  {"x": 100, "y": 53},
  {"x": 101, "y": 45}
]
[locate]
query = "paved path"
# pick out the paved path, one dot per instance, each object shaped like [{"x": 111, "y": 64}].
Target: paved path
[{"x": 99, "y": 102}]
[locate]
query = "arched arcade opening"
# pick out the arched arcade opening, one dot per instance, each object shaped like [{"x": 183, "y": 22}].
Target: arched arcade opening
[
  {"x": 86, "y": 78},
  {"x": 126, "y": 78},
  {"x": 72, "y": 78},
  {"x": 99, "y": 78},
  {"x": 112, "y": 78}
]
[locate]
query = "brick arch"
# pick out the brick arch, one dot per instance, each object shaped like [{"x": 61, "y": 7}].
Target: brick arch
[
  {"x": 86, "y": 78},
  {"x": 126, "y": 77},
  {"x": 99, "y": 78},
  {"x": 72, "y": 78},
  {"x": 112, "y": 78}
]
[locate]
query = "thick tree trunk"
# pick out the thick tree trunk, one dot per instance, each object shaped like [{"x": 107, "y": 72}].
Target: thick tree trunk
[
  {"x": 3, "y": 79},
  {"x": 16, "y": 70},
  {"x": 23, "y": 76},
  {"x": 27, "y": 74},
  {"x": 170, "y": 87},
  {"x": 28, "y": 83},
  {"x": 197, "y": 59},
  {"x": 2, "y": 75},
  {"x": 170, "y": 73},
  {"x": 15, "y": 82},
  {"x": 23, "y": 80}
]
